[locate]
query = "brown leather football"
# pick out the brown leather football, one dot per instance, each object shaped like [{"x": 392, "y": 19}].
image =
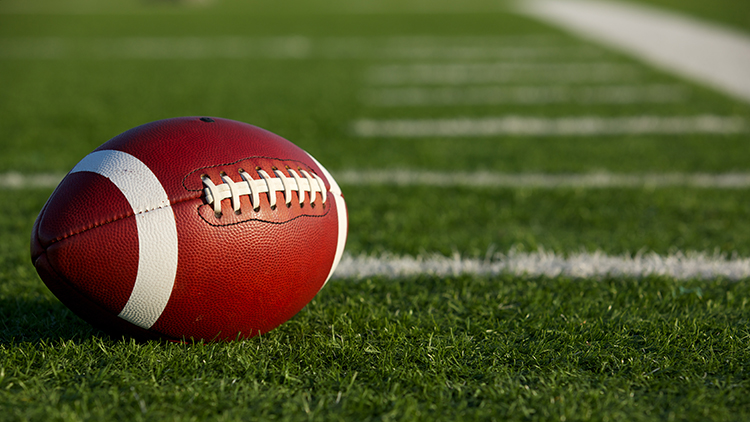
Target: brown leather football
[{"x": 191, "y": 228}]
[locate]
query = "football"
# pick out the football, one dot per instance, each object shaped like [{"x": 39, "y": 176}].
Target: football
[{"x": 191, "y": 228}]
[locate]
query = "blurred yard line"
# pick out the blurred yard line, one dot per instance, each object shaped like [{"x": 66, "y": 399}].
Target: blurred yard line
[
  {"x": 15, "y": 180},
  {"x": 477, "y": 179},
  {"x": 678, "y": 265},
  {"x": 489, "y": 179},
  {"x": 702, "y": 51},
  {"x": 533, "y": 94},
  {"x": 502, "y": 72},
  {"x": 542, "y": 126},
  {"x": 523, "y": 47}
]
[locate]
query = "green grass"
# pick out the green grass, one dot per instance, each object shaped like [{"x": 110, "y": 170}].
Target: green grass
[
  {"x": 564, "y": 220},
  {"x": 419, "y": 348},
  {"x": 65, "y": 108}
]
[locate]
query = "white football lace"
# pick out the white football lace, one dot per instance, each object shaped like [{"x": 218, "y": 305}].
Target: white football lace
[{"x": 265, "y": 183}]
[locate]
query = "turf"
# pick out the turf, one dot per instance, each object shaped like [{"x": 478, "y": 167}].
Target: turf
[
  {"x": 564, "y": 220},
  {"x": 418, "y": 349},
  {"x": 421, "y": 348}
]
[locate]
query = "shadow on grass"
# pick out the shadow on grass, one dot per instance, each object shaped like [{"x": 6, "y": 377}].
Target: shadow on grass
[
  {"x": 40, "y": 318},
  {"x": 30, "y": 319}
]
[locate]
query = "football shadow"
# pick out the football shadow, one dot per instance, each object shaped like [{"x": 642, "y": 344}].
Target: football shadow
[{"x": 25, "y": 319}]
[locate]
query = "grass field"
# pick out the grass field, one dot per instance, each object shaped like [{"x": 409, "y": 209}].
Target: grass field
[{"x": 381, "y": 348}]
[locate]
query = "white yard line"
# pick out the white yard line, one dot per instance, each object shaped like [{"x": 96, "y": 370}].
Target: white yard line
[
  {"x": 480, "y": 179},
  {"x": 460, "y": 48},
  {"x": 502, "y": 72},
  {"x": 487, "y": 53},
  {"x": 156, "y": 48},
  {"x": 681, "y": 266},
  {"x": 14, "y": 180},
  {"x": 486, "y": 179},
  {"x": 539, "y": 94},
  {"x": 705, "y": 52},
  {"x": 516, "y": 47},
  {"x": 257, "y": 9},
  {"x": 540, "y": 126},
  {"x": 448, "y": 41},
  {"x": 23, "y": 7},
  {"x": 529, "y": 47}
]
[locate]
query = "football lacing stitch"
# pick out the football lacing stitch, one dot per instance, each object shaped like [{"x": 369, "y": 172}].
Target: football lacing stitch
[{"x": 307, "y": 182}]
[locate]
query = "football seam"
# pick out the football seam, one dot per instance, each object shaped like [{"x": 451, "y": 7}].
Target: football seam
[
  {"x": 105, "y": 222},
  {"x": 328, "y": 210},
  {"x": 99, "y": 308}
]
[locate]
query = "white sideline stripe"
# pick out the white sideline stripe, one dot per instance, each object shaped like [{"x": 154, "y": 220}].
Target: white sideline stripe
[
  {"x": 502, "y": 72},
  {"x": 539, "y": 126},
  {"x": 296, "y": 47},
  {"x": 680, "y": 266},
  {"x": 485, "y": 179},
  {"x": 705, "y": 52},
  {"x": 604, "y": 94},
  {"x": 157, "y": 231},
  {"x": 481, "y": 179}
]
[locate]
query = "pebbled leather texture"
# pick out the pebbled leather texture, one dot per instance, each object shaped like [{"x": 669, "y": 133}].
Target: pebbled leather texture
[{"x": 237, "y": 275}]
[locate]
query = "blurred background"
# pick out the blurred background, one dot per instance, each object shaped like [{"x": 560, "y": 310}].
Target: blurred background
[{"x": 421, "y": 101}]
